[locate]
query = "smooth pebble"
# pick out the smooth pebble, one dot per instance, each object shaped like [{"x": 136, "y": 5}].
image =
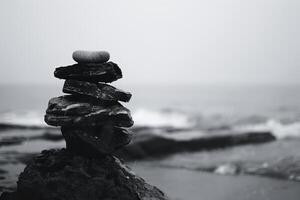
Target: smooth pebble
[{"x": 82, "y": 56}]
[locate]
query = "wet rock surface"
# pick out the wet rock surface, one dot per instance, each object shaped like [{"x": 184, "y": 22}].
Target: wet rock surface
[
  {"x": 58, "y": 174},
  {"x": 74, "y": 105},
  {"x": 99, "y": 91},
  {"x": 91, "y": 72},
  {"x": 80, "y": 111}
]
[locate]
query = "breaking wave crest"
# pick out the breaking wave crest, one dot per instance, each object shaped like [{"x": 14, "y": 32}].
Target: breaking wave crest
[
  {"x": 26, "y": 119},
  {"x": 278, "y": 129},
  {"x": 163, "y": 118}
]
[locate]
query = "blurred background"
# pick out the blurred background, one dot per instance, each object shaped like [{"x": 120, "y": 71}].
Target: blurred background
[{"x": 206, "y": 77}]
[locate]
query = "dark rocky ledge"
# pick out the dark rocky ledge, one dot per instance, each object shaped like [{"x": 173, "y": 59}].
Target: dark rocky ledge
[
  {"x": 57, "y": 172},
  {"x": 153, "y": 146}
]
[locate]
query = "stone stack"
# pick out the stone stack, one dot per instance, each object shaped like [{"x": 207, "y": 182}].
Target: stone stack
[
  {"x": 91, "y": 118},
  {"x": 93, "y": 124}
]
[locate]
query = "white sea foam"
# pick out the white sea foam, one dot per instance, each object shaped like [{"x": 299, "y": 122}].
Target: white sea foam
[
  {"x": 226, "y": 169},
  {"x": 278, "y": 129},
  {"x": 142, "y": 117},
  {"x": 153, "y": 118},
  {"x": 185, "y": 135},
  {"x": 26, "y": 118}
]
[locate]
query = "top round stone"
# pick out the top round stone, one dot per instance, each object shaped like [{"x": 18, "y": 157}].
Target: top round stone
[{"x": 82, "y": 56}]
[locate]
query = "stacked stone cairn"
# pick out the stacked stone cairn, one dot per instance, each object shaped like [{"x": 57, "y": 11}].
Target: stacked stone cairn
[
  {"x": 91, "y": 118},
  {"x": 93, "y": 124}
]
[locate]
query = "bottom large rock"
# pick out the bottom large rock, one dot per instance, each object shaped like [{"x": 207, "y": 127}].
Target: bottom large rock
[{"x": 60, "y": 175}]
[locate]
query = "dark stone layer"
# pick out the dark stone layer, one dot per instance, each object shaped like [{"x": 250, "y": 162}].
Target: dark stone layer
[
  {"x": 75, "y": 105},
  {"x": 95, "y": 141},
  {"x": 60, "y": 175},
  {"x": 72, "y": 110},
  {"x": 99, "y": 91},
  {"x": 92, "y": 72}
]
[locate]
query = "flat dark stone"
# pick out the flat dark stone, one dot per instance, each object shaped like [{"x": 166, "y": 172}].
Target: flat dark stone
[
  {"x": 73, "y": 110},
  {"x": 74, "y": 105},
  {"x": 94, "y": 141},
  {"x": 92, "y": 72},
  {"x": 100, "y": 91}
]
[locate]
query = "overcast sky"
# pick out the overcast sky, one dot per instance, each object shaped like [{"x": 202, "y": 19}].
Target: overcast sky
[{"x": 157, "y": 41}]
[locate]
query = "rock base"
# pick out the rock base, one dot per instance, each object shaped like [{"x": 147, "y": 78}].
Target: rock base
[{"x": 61, "y": 175}]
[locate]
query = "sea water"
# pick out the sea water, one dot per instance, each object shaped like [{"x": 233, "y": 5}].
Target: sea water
[{"x": 202, "y": 107}]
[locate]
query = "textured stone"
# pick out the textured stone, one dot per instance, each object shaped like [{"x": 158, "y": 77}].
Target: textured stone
[
  {"x": 94, "y": 141},
  {"x": 73, "y": 110},
  {"x": 100, "y": 91},
  {"x": 58, "y": 174},
  {"x": 82, "y": 56},
  {"x": 101, "y": 72}
]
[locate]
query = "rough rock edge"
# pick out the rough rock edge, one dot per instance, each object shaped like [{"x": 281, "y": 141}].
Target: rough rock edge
[
  {"x": 100, "y": 91},
  {"x": 92, "y": 72},
  {"x": 57, "y": 172}
]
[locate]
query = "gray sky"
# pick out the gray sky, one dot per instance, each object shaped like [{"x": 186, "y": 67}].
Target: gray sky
[{"x": 157, "y": 41}]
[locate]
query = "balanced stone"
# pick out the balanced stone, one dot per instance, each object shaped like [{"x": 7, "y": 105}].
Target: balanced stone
[
  {"x": 92, "y": 141},
  {"x": 100, "y": 91},
  {"x": 81, "y": 56},
  {"x": 76, "y": 111},
  {"x": 91, "y": 119},
  {"x": 93, "y": 72}
]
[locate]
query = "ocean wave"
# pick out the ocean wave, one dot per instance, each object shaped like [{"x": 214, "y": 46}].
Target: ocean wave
[
  {"x": 278, "y": 129},
  {"x": 142, "y": 118},
  {"x": 187, "y": 125},
  {"x": 162, "y": 118},
  {"x": 24, "y": 119}
]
